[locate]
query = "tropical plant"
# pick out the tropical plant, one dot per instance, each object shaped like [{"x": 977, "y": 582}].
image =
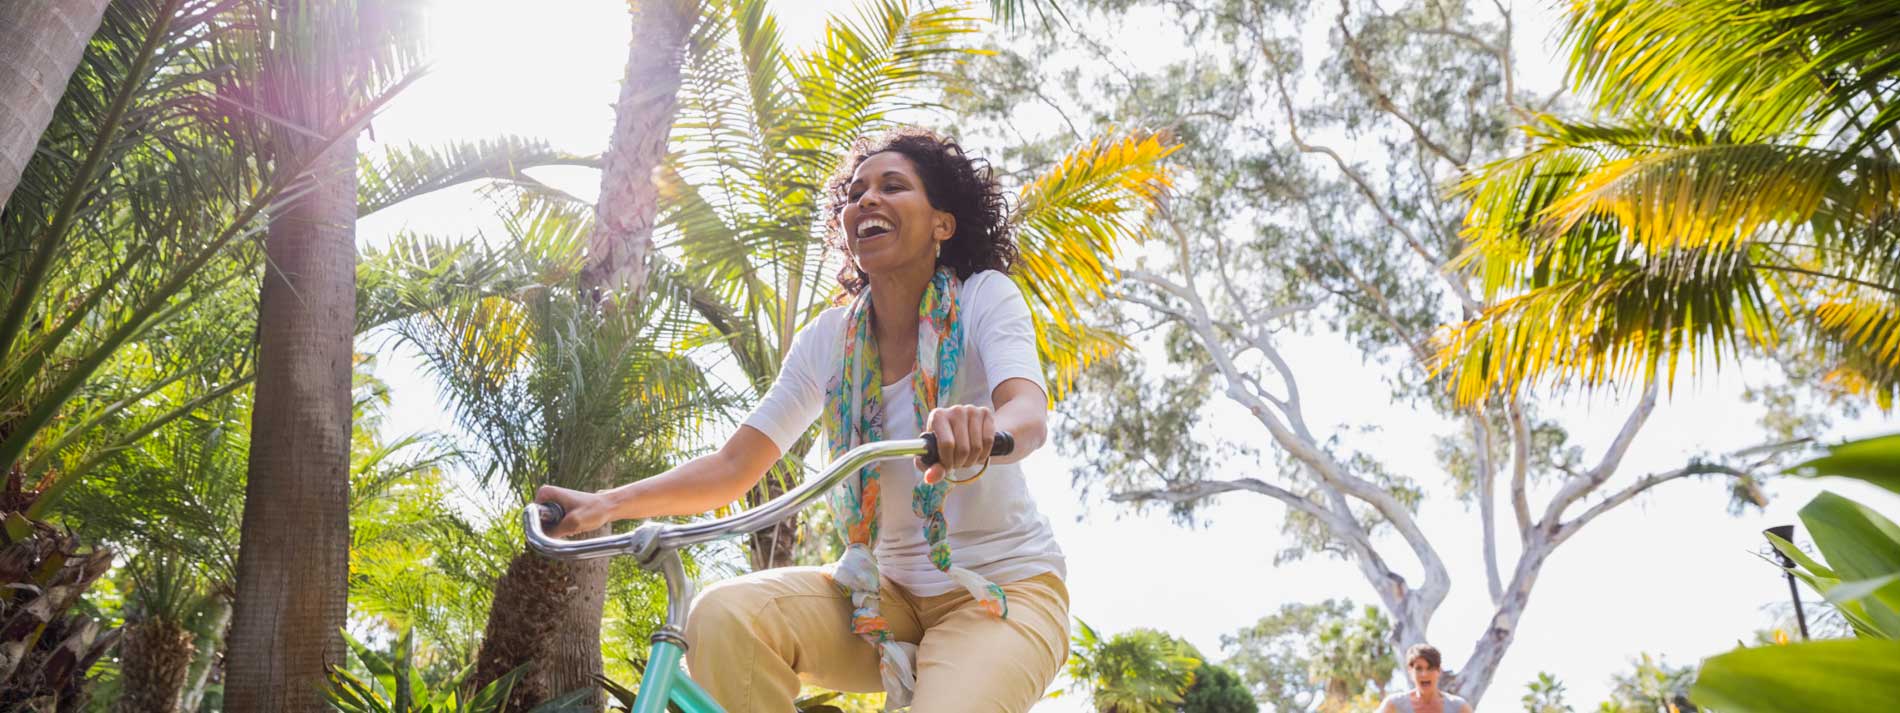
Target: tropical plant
[
  {"x": 1137, "y": 671},
  {"x": 1858, "y": 572},
  {"x": 553, "y": 389},
  {"x": 1330, "y": 656},
  {"x": 761, "y": 131},
  {"x": 1651, "y": 685},
  {"x": 1217, "y": 689},
  {"x": 322, "y": 68},
  {"x": 392, "y": 683},
  {"x": 1740, "y": 198},
  {"x": 619, "y": 238},
  {"x": 49, "y": 647},
  {"x": 1545, "y": 695}
]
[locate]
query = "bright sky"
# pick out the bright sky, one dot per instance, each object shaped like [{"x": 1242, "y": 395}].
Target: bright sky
[{"x": 1671, "y": 573}]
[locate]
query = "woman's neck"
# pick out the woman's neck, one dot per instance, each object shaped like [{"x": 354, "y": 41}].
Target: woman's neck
[
  {"x": 1427, "y": 694},
  {"x": 894, "y": 302}
]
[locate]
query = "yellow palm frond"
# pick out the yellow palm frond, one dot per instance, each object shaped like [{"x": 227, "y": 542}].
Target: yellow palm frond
[
  {"x": 1860, "y": 330},
  {"x": 1626, "y": 322},
  {"x": 1070, "y": 223}
]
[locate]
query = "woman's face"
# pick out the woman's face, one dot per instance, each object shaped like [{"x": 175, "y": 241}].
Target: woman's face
[
  {"x": 1424, "y": 677},
  {"x": 888, "y": 223}
]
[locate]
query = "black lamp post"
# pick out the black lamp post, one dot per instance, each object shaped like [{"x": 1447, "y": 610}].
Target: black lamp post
[{"x": 1786, "y": 532}]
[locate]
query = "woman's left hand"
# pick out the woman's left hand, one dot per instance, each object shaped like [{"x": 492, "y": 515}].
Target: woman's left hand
[{"x": 965, "y": 435}]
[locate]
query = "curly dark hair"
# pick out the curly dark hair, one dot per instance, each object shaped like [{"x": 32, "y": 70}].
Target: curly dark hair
[{"x": 954, "y": 182}]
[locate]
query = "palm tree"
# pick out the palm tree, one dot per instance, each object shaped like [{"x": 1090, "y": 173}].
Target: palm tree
[
  {"x": 619, "y": 239},
  {"x": 1749, "y": 201},
  {"x": 1140, "y": 671},
  {"x": 320, "y": 83},
  {"x": 762, "y": 129},
  {"x": 553, "y": 388},
  {"x": 41, "y": 42}
]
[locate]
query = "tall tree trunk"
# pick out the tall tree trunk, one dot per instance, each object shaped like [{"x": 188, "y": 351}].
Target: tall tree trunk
[
  {"x": 41, "y": 43},
  {"x": 562, "y": 635},
  {"x": 1475, "y": 677},
  {"x": 156, "y": 656},
  {"x": 649, "y": 97},
  {"x": 293, "y": 556}
]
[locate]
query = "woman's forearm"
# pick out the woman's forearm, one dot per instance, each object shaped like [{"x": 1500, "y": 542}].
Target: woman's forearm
[
  {"x": 698, "y": 485},
  {"x": 1023, "y": 413}
]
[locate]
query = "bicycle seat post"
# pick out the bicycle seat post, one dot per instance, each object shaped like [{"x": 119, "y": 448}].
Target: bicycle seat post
[{"x": 679, "y": 598}]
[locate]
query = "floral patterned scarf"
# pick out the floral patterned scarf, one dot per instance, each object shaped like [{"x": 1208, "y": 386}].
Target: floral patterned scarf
[{"x": 854, "y": 415}]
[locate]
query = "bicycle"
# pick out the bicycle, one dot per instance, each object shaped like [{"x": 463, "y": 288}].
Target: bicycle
[{"x": 655, "y": 546}]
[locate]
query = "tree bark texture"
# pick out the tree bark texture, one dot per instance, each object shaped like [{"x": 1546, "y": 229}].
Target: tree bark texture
[
  {"x": 156, "y": 658},
  {"x": 649, "y": 97},
  {"x": 41, "y": 43},
  {"x": 546, "y": 615},
  {"x": 293, "y": 558}
]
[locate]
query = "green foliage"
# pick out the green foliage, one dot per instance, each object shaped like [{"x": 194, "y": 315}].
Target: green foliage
[
  {"x": 1328, "y": 655},
  {"x": 1652, "y": 685},
  {"x": 390, "y": 682},
  {"x": 1738, "y": 200},
  {"x": 1873, "y": 460},
  {"x": 1859, "y": 574},
  {"x": 1545, "y": 695},
  {"x": 1217, "y": 689},
  {"x": 1137, "y": 671}
]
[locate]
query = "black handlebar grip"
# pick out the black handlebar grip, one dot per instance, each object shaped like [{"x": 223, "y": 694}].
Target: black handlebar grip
[
  {"x": 1004, "y": 445},
  {"x": 551, "y": 514}
]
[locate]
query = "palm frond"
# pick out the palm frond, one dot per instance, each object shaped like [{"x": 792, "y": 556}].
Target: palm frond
[
  {"x": 1628, "y": 321},
  {"x": 1760, "y": 67},
  {"x": 1070, "y": 223},
  {"x": 405, "y": 172},
  {"x": 1860, "y": 329}
]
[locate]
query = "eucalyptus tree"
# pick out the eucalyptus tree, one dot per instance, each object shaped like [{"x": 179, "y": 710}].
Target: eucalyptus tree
[{"x": 1312, "y": 199}]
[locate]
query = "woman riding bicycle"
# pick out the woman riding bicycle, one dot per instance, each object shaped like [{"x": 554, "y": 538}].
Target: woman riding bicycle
[{"x": 951, "y": 591}]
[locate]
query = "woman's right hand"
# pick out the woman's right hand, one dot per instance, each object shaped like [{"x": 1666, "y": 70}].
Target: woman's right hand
[{"x": 585, "y": 511}]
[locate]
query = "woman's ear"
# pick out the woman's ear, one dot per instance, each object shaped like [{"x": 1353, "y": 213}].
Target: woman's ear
[{"x": 944, "y": 226}]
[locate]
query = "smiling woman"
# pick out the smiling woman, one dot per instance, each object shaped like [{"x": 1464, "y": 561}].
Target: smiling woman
[{"x": 961, "y": 600}]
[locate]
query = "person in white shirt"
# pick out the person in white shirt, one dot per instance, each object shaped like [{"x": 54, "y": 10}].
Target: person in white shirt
[
  {"x": 951, "y": 596},
  {"x": 1424, "y": 664}
]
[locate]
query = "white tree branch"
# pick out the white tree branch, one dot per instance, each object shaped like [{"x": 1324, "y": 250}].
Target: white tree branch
[
  {"x": 1372, "y": 196},
  {"x": 1564, "y": 531},
  {"x": 1520, "y": 468},
  {"x": 1575, "y": 488},
  {"x": 1482, "y": 436}
]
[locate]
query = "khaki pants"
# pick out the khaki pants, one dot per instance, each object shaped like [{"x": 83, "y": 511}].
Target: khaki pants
[{"x": 753, "y": 639}]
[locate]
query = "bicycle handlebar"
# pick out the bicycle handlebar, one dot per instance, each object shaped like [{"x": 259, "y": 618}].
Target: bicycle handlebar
[{"x": 650, "y": 539}]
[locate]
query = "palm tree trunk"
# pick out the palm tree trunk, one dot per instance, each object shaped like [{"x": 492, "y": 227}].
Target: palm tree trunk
[
  {"x": 649, "y": 97},
  {"x": 41, "y": 43},
  {"x": 293, "y": 556},
  {"x": 549, "y": 613},
  {"x": 156, "y": 657},
  {"x": 545, "y": 614}
]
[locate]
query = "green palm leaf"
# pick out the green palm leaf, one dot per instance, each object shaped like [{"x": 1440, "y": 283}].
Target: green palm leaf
[
  {"x": 405, "y": 172},
  {"x": 1760, "y": 67}
]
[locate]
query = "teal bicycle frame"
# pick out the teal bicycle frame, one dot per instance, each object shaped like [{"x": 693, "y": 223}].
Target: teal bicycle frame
[{"x": 655, "y": 546}]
